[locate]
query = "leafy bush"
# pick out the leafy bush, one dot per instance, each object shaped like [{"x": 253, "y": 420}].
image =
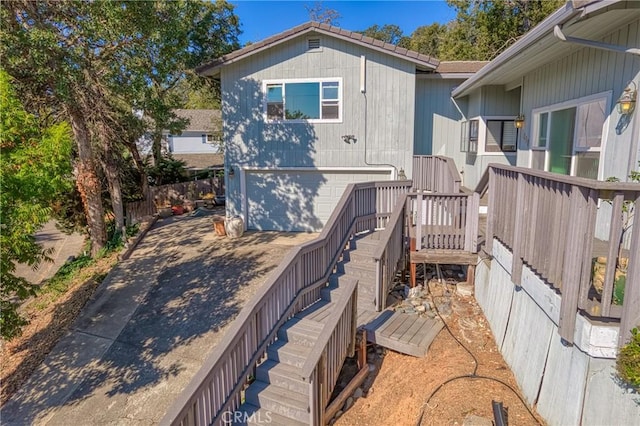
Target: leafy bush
[
  {"x": 628, "y": 362},
  {"x": 168, "y": 170}
]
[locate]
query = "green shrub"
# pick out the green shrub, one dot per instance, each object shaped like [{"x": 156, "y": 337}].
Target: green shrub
[{"x": 628, "y": 363}]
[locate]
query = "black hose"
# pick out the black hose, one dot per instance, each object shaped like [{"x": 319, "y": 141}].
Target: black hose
[{"x": 472, "y": 376}]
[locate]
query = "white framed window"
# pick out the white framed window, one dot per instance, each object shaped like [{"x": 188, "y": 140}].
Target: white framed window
[
  {"x": 303, "y": 100},
  {"x": 569, "y": 138},
  {"x": 501, "y": 136},
  {"x": 469, "y": 136}
]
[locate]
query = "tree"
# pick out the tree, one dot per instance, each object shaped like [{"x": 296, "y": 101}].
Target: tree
[
  {"x": 35, "y": 169},
  {"x": 319, "y": 13},
  {"x": 389, "y": 33},
  {"x": 484, "y": 28},
  {"x": 94, "y": 63},
  {"x": 426, "y": 39}
]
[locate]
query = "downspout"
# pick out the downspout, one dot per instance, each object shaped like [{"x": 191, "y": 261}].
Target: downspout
[{"x": 363, "y": 90}]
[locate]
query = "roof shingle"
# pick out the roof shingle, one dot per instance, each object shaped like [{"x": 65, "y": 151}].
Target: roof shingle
[{"x": 420, "y": 59}]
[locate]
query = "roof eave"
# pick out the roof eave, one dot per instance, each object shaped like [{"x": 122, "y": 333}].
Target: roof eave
[{"x": 212, "y": 69}]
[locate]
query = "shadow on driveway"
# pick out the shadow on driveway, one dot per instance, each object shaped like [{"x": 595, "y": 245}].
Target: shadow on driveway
[{"x": 149, "y": 326}]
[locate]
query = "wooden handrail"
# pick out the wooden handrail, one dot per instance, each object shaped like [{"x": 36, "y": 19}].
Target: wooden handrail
[
  {"x": 435, "y": 173},
  {"x": 328, "y": 329},
  {"x": 385, "y": 236},
  {"x": 548, "y": 221},
  {"x": 296, "y": 282}
]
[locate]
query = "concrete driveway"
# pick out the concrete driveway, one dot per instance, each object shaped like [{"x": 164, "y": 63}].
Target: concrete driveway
[
  {"x": 150, "y": 325},
  {"x": 62, "y": 247}
]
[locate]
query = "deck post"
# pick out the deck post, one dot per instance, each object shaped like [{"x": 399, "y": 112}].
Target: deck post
[
  {"x": 631, "y": 305},
  {"x": 521, "y": 210},
  {"x": 573, "y": 249},
  {"x": 491, "y": 211},
  {"x": 419, "y": 199}
]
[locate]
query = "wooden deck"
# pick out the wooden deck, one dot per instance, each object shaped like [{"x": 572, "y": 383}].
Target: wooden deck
[{"x": 409, "y": 334}]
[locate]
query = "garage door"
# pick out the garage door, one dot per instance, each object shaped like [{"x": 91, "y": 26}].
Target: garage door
[{"x": 298, "y": 200}]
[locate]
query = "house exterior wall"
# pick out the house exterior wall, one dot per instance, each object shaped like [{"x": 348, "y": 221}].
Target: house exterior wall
[
  {"x": 487, "y": 102},
  {"x": 585, "y": 72},
  {"x": 437, "y": 123},
  {"x": 191, "y": 143},
  {"x": 389, "y": 105}
]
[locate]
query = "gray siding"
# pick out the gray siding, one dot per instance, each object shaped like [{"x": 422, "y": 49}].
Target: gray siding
[
  {"x": 437, "y": 124},
  {"x": 390, "y": 100},
  {"x": 495, "y": 101},
  {"x": 586, "y": 72}
]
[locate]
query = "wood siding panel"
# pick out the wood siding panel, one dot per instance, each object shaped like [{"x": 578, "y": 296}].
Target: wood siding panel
[
  {"x": 437, "y": 123},
  {"x": 587, "y": 72},
  {"x": 390, "y": 100}
]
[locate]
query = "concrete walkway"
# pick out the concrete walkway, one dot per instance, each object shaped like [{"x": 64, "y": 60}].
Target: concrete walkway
[
  {"x": 63, "y": 246},
  {"x": 148, "y": 328}
]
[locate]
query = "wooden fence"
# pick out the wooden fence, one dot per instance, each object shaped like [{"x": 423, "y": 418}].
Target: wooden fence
[
  {"x": 294, "y": 285},
  {"x": 166, "y": 194},
  {"x": 549, "y": 221},
  {"x": 435, "y": 173}
]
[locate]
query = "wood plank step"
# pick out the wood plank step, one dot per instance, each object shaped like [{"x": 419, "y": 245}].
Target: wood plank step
[
  {"x": 288, "y": 353},
  {"x": 314, "y": 311},
  {"x": 281, "y": 401},
  {"x": 405, "y": 333},
  {"x": 250, "y": 415},
  {"x": 283, "y": 375},
  {"x": 300, "y": 331},
  {"x": 358, "y": 271}
]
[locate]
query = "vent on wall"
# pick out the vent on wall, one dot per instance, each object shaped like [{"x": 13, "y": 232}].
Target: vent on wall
[{"x": 313, "y": 44}]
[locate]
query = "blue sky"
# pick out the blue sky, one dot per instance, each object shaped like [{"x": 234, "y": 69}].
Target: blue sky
[{"x": 261, "y": 19}]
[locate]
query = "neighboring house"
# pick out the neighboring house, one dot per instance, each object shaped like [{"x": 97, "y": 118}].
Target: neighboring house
[
  {"x": 199, "y": 145},
  {"x": 310, "y": 110},
  {"x": 567, "y": 93}
]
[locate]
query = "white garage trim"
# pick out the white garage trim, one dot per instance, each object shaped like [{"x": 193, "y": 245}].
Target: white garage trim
[{"x": 248, "y": 169}]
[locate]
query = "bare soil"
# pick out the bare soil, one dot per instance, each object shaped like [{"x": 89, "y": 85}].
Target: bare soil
[
  {"x": 49, "y": 319},
  {"x": 406, "y": 390}
]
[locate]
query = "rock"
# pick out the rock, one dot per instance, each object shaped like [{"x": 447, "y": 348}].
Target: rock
[
  {"x": 444, "y": 309},
  {"x": 464, "y": 289},
  {"x": 421, "y": 308},
  {"x": 372, "y": 368},
  {"x": 416, "y": 302},
  {"x": 473, "y": 420},
  {"x": 338, "y": 414},
  {"x": 358, "y": 393},
  {"x": 348, "y": 404}
]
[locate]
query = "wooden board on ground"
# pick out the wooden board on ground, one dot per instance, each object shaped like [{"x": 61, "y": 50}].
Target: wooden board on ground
[{"x": 409, "y": 334}]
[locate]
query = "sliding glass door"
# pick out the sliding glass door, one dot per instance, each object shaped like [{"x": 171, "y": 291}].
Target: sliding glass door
[{"x": 568, "y": 139}]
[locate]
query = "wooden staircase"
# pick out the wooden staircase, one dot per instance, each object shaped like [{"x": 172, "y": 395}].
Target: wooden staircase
[{"x": 278, "y": 390}]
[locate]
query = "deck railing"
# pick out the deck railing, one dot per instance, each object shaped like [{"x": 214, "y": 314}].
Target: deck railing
[
  {"x": 435, "y": 173},
  {"x": 445, "y": 221},
  {"x": 548, "y": 221},
  {"x": 294, "y": 285},
  {"x": 390, "y": 252},
  {"x": 336, "y": 341}
]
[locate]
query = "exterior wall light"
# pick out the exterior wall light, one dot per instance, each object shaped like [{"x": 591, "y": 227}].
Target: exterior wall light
[
  {"x": 519, "y": 121},
  {"x": 232, "y": 172},
  {"x": 627, "y": 101}
]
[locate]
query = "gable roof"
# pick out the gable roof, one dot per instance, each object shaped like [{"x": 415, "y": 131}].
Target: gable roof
[
  {"x": 423, "y": 61},
  {"x": 591, "y": 19},
  {"x": 201, "y": 120}
]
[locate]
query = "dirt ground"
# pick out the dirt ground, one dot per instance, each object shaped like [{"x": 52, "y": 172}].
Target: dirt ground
[
  {"x": 398, "y": 392},
  {"x": 47, "y": 325}
]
